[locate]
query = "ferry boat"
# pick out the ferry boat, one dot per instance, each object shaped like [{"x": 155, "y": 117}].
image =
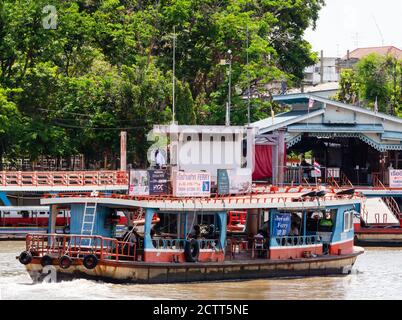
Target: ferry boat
[
  {"x": 379, "y": 223},
  {"x": 177, "y": 249}
]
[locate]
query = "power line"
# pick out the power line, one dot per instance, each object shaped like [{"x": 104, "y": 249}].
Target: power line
[{"x": 98, "y": 128}]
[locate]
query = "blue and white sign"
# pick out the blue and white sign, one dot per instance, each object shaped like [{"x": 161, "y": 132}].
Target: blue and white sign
[{"x": 281, "y": 224}]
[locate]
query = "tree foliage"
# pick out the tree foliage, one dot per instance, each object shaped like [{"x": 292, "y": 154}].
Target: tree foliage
[
  {"x": 373, "y": 78},
  {"x": 108, "y": 67}
]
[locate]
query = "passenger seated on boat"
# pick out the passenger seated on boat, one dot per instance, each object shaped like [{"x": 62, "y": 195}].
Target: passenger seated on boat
[
  {"x": 131, "y": 237},
  {"x": 259, "y": 241},
  {"x": 196, "y": 234},
  {"x": 294, "y": 230}
]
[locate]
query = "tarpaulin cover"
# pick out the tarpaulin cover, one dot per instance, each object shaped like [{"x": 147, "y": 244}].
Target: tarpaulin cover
[{"x": 263, "y": 162}]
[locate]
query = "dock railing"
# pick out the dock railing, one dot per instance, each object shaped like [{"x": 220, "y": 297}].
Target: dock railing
[{"x": 62, "y": 178}]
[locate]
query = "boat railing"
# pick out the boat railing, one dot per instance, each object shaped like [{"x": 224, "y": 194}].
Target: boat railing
[
  {"x": 77, "y": 246},
  {"x": 289, "y": 241},
  {"x": 172, "y": 244},
  {"x": 252, "y": 198}
]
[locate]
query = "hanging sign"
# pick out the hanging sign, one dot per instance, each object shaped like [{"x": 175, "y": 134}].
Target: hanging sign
[
  {"x": 281, "y": 224},
  {"x": 158, "y": 182},
  {"x": 139, "y": 183},
  {"x": 234, "y": 181},
  {"x": 191, "y": 184}
]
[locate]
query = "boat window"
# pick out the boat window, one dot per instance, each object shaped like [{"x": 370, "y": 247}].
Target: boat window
[
  {"x": 42, "y": 212},
  {"x": 25, "y": 214},
  {"x": 347, "y": 221}
]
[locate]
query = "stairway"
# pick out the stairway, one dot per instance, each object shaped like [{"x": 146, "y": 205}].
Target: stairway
[
  {"x": 376, "y": 212},
  {"x": 88, "y": 222}
]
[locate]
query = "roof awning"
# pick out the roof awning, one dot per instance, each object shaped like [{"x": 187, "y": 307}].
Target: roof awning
[
  {"x": 391, "y": 135},
  {"x": 333, "y": 128}
]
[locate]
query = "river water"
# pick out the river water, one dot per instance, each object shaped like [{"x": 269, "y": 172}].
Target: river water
[{"x": 377, "y": 274}]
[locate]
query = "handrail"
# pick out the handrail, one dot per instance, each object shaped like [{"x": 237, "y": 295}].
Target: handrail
[
  {"x": 72, "y": 245},
  {"x": 249, "y": 199},
  {"x": 63, "y": 178},
  {"x": 288, "y": 241},
  {"x": 174, "y": 244}
]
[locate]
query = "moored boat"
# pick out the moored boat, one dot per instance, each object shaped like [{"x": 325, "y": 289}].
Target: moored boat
[{"x": 304, "y": 236}]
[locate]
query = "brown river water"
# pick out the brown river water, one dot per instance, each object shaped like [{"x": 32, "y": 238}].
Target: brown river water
[{"x": 377, "y": 274}]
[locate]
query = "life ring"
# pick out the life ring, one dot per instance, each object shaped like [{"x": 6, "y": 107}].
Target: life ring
[
  {"x": 46, "y": 260},
  {"x": 90, "y": 261},
  {"x": 191, "y": 250},
  {"x": 66, "y": 230},
  {"x": 65, "y": 262},
  {"x": 25, "y": 257}
]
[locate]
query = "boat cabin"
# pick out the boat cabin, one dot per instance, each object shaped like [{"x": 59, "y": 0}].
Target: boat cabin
[{"x": 177, "y": 230}]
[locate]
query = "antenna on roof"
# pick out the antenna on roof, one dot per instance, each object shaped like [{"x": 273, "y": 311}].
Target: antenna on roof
[{"x": 379, "y": 31}]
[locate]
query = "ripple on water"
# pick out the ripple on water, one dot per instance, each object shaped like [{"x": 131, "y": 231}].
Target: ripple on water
[{"x": 376, "y": 275}]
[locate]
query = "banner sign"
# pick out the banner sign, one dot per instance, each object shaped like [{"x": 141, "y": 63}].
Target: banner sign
[
  {"x": 158, "y": 182},
  {"x": 234, "y": 181},
  {"x": 139, "y": 183},
  {"x": 281, "y": 224},
  {"x": 191, "y": 184},
  {"x": 395, "y": 178}
]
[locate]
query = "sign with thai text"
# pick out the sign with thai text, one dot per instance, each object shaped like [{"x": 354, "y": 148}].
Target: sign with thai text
[
  {"x": 281, "y": 224},
  {"x": 191, "y": 184},
  {"x": 395, "y": 178},
  {"x": 158, "y": 182}
]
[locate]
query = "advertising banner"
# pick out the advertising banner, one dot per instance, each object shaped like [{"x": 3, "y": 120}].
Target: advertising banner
[
  {"x": 139, "y": 183},
  {"x": 395, "y": 178},
  {"x": 158, "y": 182},
  {"x": 191, "y": 184},
  {"x": 281, "y": 224},
  {"x": 234, "y": 181}
]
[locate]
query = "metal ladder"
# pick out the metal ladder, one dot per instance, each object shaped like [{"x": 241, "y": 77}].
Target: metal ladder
[{"x": 88, "y": 222}]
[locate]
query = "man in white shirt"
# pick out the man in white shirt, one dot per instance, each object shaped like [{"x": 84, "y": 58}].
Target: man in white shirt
[{"x": 159, "y": 159}]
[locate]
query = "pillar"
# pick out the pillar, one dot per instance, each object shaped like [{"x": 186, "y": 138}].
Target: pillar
[
  {"x": 52, "y": 219},
  {"x": 149, "y": 213},
  {"x": 123, "y": 151},
  {"x": 252, "y": 221},
  {"x": 281, "y": 156},
  {"x": 250, "y": 148}
]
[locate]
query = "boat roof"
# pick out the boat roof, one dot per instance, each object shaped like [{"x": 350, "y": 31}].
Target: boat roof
[
  {"x": 24, "y": 208},
  {"x": 280, "y": 200}
]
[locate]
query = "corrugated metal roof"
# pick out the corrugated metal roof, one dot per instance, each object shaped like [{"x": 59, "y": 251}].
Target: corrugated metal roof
[{"x": 280, "y": 118}]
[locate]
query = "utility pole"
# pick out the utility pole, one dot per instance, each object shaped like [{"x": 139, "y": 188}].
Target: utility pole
[
  {"x": 322, "y": 67},
  {"x": 248, "y": 83},
  {"x": 174, "y": 74},
  {"x": 123, "y": 150},
  {"x": 230, "y": 86}
]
